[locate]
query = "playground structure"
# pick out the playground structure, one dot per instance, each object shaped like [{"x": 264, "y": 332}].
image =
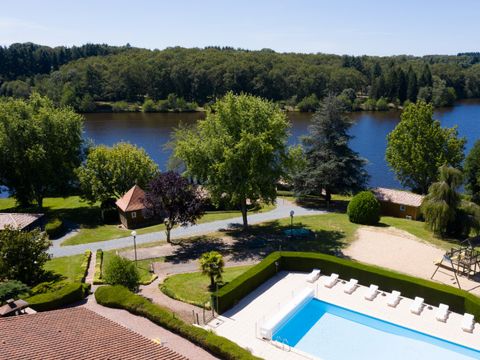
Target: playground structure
[{"x": 463, "y": 261}]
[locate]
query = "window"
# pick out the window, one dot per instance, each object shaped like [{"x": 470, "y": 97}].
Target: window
[
  {"x": 402, "y": 208},
  {"x": 134, "y": 214}
]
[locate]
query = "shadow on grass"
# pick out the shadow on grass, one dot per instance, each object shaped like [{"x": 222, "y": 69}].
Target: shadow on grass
[{"x": 319, "y": 203}]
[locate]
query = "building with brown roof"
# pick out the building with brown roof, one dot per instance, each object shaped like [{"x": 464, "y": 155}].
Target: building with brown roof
[
  {"x": 131, "y": 209},
  {"x": 398, "y": 203},
  {"x": 74, "y": 333},
  {"x": 22, "y": 221}
]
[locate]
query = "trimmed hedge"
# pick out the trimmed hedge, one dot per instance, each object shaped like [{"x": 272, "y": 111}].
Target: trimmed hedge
[
  {"x": 85, "y": 263},
  {"x": 97, "y": 277},
  {"x": 54, "y": 228},
  {"x": 434, "y": 293},
  {"x": 364, "y": 208},
  {"x": 70, "y": 293},
  {"x": 120, "y": 297}
]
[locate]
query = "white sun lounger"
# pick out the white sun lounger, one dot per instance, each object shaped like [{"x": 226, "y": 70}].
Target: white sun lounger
[
  {"x": 313, "y": 276},
  {"x": 417, "y": 306},
  {"x": 442, "y": 313},
  {"x": 350, "y": 286},
  {"x": 331, "y": 280},
  {"x": 372, "y": 292},
  {"x": 468, "y": 322},
  {"x": 394, "y": 298}
]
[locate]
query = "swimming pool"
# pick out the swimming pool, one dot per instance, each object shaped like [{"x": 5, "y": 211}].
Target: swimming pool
[{"x": 331, "y": 332}]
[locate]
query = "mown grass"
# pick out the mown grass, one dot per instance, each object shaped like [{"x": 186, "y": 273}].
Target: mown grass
[
  {"x": 74, "y": 210},
  {"x": 67, "y": 267},
  {"x": 194, "y": 288}
]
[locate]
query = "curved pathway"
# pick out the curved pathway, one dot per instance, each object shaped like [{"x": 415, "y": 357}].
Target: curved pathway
[{"x": 280, "y": 212}]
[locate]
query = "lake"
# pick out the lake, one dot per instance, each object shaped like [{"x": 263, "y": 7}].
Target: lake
[{"x": 153, "y": 130}]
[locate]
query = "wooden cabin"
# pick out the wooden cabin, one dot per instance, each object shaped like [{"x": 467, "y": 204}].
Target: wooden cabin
[
  {"x": 131, "y": 209},
  {"x": 399, "y": 203}
]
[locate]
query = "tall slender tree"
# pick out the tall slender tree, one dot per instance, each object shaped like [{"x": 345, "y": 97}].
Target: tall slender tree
[
  {"x": 331, "y": 166},
  {"x": 472, "y": 172}
]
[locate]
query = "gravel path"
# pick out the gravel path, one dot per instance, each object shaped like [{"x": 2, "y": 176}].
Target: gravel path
[
  {"x": 400, "y": 251},
  {"x": 281, "y": 211}
]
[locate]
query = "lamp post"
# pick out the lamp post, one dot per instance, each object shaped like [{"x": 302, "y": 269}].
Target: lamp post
[
  {"x": 291, "y": 222},
  {"x": 134, "y": 234}
]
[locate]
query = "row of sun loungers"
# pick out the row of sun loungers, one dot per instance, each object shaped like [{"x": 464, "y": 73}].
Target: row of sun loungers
[{"x": 468, "y": 321}]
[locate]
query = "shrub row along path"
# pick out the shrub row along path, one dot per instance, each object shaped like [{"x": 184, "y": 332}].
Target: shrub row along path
[
  {"x": 281, "y": 211},
  {"x": 144, "y": 326}
]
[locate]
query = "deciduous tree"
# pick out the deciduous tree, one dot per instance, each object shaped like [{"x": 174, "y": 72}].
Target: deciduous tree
[
  {"x": 41, "y": 146},
  {"x": 172, "y": 198},
  {"x": 418, "y": 146},
  {"x": 238, "y": 151},
  {"x": 472, "y": 172},
  {"x": 109, "y": 172}
]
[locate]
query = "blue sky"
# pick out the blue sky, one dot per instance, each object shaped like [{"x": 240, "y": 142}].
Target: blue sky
[{"x": 370, "y": 27}]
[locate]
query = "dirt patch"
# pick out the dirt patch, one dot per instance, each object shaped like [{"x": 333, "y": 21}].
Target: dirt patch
[{"x": 398, "y": 250}]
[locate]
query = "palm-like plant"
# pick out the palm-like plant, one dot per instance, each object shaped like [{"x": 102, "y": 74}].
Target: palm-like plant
[{"x": 211, "y": 264}]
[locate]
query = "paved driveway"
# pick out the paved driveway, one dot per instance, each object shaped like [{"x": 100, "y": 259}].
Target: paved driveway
[{"x": 281, "y": 211}]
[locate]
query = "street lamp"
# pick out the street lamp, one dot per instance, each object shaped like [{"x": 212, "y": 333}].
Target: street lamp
[
  {"x": 134, "y": 234},
  {"x": 291, "y": 222}
]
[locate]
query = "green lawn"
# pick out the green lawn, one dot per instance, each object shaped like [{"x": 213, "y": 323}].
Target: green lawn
[
  {"x": 143, "y": 266},
  {"x": 88, "y": 217},
  {"x": 193, "y": 288},
  {"x": 68, "y": 267}
]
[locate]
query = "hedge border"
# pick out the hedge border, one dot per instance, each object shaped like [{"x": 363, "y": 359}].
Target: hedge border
[
  {"x": 70, "y": 293},
  {"x": 85, "y": 263},
  {"x": 433, "y": 293},
  {"x": 120, "y": 297},
  {"x": 97, "y": 276}
]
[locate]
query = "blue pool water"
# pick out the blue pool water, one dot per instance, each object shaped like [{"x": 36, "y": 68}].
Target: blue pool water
[{"x": 330, "y": 332}]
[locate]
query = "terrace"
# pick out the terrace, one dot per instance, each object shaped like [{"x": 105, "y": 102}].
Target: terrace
[{"x": 242, "y": 323}]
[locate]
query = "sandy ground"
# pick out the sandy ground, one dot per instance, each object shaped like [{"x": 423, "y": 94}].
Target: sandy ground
[{"x": 400, "y": 251}]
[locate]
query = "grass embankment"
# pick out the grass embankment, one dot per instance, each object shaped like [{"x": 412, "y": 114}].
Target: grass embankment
[
  {"x": 73, "y": 211},
  {"x": 120, "y": 298},
  {"x": 194, "y": 288},
  {"x": 68, "y": 268},
  {"x": 143, "y": 266}
]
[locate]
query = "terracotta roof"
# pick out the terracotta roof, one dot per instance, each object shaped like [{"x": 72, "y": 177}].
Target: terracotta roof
[
  {"x": 74, "y": 333},
  {"x": 398, "y": 197},
  {"x": 132, "y": 200},
  {"x": 17, "y": 220}
]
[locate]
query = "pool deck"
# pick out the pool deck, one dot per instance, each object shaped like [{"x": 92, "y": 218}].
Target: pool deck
[{"x": 240, "y": 324}]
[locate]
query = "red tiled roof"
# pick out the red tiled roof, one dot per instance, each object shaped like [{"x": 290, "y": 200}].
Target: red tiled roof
[
  {"x": 74, "y": 333},
  {"x": 398, "y": 197},
  {"x": 132, "y": 200},
  {"x": 17, "y": 220}
]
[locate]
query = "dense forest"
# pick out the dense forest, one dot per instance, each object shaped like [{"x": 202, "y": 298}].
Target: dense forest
[{"x": 84, "y": 76}]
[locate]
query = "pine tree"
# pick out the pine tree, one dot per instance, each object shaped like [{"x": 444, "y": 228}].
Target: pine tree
[
  {"x": 412, "y": 85},
  {"x": 332, "y": 167},
  {"x": 402, "y": 86},
  {"x": 426, "y": 77}
]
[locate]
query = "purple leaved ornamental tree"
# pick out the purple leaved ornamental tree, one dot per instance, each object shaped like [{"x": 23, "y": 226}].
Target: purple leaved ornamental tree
[{"x": 171, "y": 197}]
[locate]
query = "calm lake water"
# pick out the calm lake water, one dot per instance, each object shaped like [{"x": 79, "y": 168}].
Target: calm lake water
[{"x": 153, "y": 131}]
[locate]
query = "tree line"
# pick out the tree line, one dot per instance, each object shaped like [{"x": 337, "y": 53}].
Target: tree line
[{"x": 203, "y": 75}]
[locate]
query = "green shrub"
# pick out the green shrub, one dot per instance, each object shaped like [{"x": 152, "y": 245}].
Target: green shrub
[
  {"x": 309, "y": 103},
  {"x": 86, "y": 261},
  {"x": 370, "y": 104},
  {"x": 364, "y": 208},
  {"x": 54, "y": 228},
  {"x": 382, "y": 104},
  {"x": 12, "y": 289},
  {"x": 121, "y": 271},
  {"x": 68, "y": 294},
  {"x": 120, "y": 106},
  {"x": 97, "y": 277},
  {"x": 149, "y": 105},
  {"x": 434, "y": 293},
  {"x": 121, "y": 298}
]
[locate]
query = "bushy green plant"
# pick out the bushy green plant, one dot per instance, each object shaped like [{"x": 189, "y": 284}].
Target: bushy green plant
[
  {"x": 211, "y": 264},
  {"x": 121, "y": 298},
  {"x": 54, "y": 228},
  {"x": 309, "y": 103},
  {"x": 120, "y": 106},
  {"x": 67, "y": 294},
  {"x": 364, "y": 208},
  {"x": 382, "y": 104},
  {"x": 84, "y": 265},
  {"x": 149, "y": 105},
  {"x": 121, "y": 271},
  {"x": 98, "y": 277},
  {"x": 11, "y": 289}
]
